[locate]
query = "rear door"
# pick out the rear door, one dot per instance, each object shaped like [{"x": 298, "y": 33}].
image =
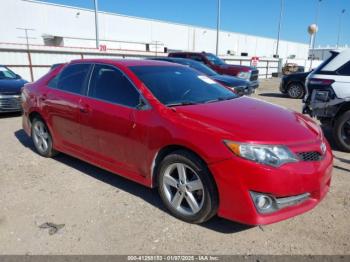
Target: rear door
[{"x": 62, "y": 105}]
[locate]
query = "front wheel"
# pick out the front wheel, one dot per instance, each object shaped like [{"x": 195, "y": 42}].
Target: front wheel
[
  {"x": 295, "y": 90},
  {"x": 341, "y": 131},
  {"x": 187, "y": 188}
]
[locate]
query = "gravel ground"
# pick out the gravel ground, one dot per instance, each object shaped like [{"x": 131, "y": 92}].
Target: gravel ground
[{"x": 103, "y": 213}]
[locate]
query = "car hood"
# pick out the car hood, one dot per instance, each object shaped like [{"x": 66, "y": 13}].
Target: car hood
[
  {"x": 230, "y": 80},
  {"x": 11, "y": 85},
  {"x": 235, "y": 67},
  {"x": 247, "y": 119}
]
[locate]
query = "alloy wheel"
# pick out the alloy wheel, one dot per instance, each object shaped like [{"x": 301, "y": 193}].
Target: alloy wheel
[
  {"x": 295, "y": 91},
  {"x": 183, "y": 189},
  {"x": 41, "y": 136}
]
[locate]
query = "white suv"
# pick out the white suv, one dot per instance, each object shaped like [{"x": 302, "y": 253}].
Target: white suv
[{"x": 328, "y": 96}]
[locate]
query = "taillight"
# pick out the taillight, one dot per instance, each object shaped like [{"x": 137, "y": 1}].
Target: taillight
[{"x": 321, "y": 82}]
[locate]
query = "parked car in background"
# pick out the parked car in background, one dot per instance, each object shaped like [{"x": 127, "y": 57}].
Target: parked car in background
[
  {"x": 220, "y": 66},
  {"x": 292, "y": 68},
  {"x": 10, "y": 90},
  {"x": 294, "y": 84},
  {"x": 166, "y": 125},
  {"x": 238, "y": 85},
  {"x": 328, "y": 96}
]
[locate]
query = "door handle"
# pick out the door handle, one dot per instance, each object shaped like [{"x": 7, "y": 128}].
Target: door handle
[{"x": 84, "y": 109}]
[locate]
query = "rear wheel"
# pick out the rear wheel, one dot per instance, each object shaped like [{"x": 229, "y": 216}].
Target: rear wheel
[
  {"x": 295, "y": 90},
  {"x": 341, "y": 131},
  {"x": 186, "y": 187},
  {"x": 42, "y": 138}
]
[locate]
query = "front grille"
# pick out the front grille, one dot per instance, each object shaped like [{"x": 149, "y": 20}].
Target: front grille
[
  {"x": 254, "y": 75},
  {"x": 310, "y": 156},
  {"x": 10, "y": 103}
]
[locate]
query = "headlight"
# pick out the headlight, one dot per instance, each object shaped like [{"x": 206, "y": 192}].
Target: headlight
[
  {"x": 23, "y": 97},
  {"x": 244, "y": 75},
  {"x": 271, "y": 155}
]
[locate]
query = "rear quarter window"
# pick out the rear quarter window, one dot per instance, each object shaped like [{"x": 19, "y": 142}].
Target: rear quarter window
[
  {"x": 73, "y": 78},
  {"x": 344, "y": 70}
]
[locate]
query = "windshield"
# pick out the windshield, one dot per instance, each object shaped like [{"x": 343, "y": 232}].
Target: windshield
[
  {"x": 214, "y": 59},
  {"x": 175, "y": 85},
  {"x": 203, "y": 69},
  {"x": 6, "y": 73}
]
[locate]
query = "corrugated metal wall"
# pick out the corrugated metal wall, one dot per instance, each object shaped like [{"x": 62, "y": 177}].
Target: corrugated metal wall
[
  {"x": 76, "y": 27},
  {"x": 43, "y": 57}
]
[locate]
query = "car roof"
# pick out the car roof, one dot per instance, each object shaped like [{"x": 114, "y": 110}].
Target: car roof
[
  {"x": 124, "y": 62},
  {"x": 176, "y": 60},
  {"x": 188, "y": 53}
]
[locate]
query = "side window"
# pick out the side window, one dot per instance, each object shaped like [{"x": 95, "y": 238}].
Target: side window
[
  {"x": 109, "y": 84},
  {"x": 72, "y": 78},
  {"x": 345, "y": 70}
]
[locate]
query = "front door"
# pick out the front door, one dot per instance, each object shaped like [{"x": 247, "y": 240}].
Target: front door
[{"x": 108, "y": 121}]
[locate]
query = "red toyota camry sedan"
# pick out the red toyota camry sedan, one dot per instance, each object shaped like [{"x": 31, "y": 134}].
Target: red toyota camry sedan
[{"x": 167, "y": 126}]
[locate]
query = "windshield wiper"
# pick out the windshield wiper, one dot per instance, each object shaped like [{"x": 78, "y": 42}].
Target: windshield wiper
[
  {"x": 186, "y": 103},
  {"x": 219, "y": 99}
]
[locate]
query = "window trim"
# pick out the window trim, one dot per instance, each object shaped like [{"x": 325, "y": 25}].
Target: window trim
[
  {"x": 85, "y": 83},
  {"x": 141, "y": 96}
]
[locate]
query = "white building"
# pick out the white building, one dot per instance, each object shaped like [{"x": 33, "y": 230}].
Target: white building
[
  {"x": 75, "y": 27},
  {"x": 322, "y": 53}
]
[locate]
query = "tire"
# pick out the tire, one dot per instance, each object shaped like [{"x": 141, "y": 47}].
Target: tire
[
  {"x": 42, "y": 138},
  {"x": 341, "y": 131},
  {"x": 296, "y": 90},
  {"x": 191, "y": 196}
]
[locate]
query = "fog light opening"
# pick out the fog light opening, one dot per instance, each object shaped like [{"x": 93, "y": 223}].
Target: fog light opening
[{"x": 263, "y": 202}]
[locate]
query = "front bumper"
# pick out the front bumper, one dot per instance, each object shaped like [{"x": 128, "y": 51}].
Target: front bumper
[
  {"x": 282, "y": 86},
  {"x": 253, "y": 84},
  {"x": 10, "y": 103},
  {"x": 241, "y": 91},
  {"x": 249, "y": 89},
  {"x": 236, "y": 178}
]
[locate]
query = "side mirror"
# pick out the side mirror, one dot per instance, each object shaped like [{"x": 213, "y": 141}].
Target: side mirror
[
  {"x": 18, "y": 76},
  {"x": 142, "y": 105}
]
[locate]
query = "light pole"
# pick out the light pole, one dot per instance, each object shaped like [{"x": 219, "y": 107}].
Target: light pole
[
  {"x": 316, "y": 22},
  {"x": 218, "y": 26},
  {"x": 26, "y": 37},
  {"x": 96, "y": 24},
  {"x": 279, "y": 27},
  {"x": 339, "y": 27},
  {"x": 28, "y": 52}
]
